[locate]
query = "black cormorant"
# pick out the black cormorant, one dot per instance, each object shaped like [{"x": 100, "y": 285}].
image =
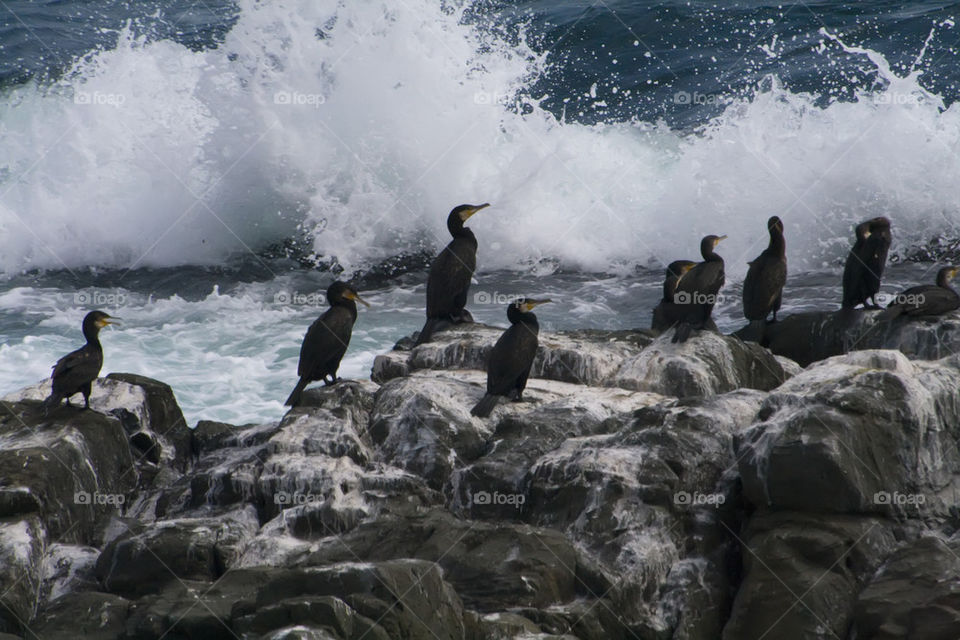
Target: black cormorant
[
  {"x": 511, "y": 357},
  {"x": 853, "y": 268},
  {"x": 763, "y": 286},
  {"x": 327, "y": 339},
  {"x": 75, "y": 372},
  {"x": 449, "y": 279},
  {"x": 666, "y": 313},
  {"x": 865, "y": 263},
  {"x": 926, "y": 300},
  {"x": 876, "y": 249},
  {"x": 697, "y": 290}
]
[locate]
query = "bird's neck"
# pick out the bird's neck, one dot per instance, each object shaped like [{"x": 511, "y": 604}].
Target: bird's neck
[
  {"x": 777, "y": 242},
  {"x": 710, "y": 256},
  {"x": 349, "y": 305},
  {"x": 92, "y": 336},
  {"x": 515, "y": 316},
  {"x": 463, "y": 233}
]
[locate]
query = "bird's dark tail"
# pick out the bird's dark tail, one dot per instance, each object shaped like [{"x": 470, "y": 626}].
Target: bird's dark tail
[
  {"x": 426, "y": 334},
  {"x": 294, "y": 398},
  {"x": 684, "y": 329},
  {"x": 755, "y": 331},
  {"x": 486, "y": 406}
]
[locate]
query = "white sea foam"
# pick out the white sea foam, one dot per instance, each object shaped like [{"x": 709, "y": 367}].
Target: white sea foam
[{"x": 363, "y": 123}]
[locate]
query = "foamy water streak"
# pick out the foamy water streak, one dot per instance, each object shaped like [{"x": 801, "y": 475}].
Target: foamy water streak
[{"x": 363, "y": 123}]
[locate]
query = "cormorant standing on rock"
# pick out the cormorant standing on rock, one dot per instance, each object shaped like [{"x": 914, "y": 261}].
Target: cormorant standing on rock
[
  {"x": 76, "y": 371},
  {"x": 865, "y": 263},
  {"x": 327, "y": 339},
  {"x": 926, "y": 300},
  {"x": 511, "y": 357},
  {"x": 449, "y": 279},
  {"x": 667, "y": 313},
  {"x": 763, "y": 286},
  {"x": 697, "y": 290},
  {"x": 876, "y": 249}
]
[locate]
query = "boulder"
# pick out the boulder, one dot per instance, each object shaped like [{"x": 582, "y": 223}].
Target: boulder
[
  {"x": 71, "y": 467},
  {"x": 22, "y": 546},
  {"x": 144, "y": 559},
  {"x": 707, "y": 364},
  {"x": 491, "y": 566},
  {"x": 914, "y": 594},
  {"x": 817, "y": 335},
  {"x": 802, "y": 573},
  {"x": 588, "y": 357},
  {"x": 869, "y": 432},
  {"x": 647, "y": 497},
  {"x": 85, "y": 614},
  {"x": 68, "y": 568}
]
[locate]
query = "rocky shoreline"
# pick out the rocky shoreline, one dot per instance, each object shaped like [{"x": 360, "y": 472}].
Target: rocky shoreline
[{"x": 643, "y": 490}]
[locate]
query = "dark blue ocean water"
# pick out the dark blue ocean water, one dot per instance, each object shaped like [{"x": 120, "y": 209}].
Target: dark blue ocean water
[{"x": 644, "y": 60}]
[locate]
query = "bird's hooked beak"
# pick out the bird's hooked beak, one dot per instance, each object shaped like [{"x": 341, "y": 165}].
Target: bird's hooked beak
[
  {"x": 530, "y": 304},
  {"x": 102, "y": 322},
  {"x": 353, "y": 295},
  {"x": 719, "y": 238},
  {"x": 466, "y": 213}
]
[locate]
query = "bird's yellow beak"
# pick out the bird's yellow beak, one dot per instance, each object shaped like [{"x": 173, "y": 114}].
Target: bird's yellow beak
[
  {"x": 102, "y": 322},
  {"x": 466, "y": 213},
  {"x": 353, "y": 295},
  {"x": 530, "y": 304},
  {"x": 717, "y": 241},
  {"x": 953, "y": 272}
]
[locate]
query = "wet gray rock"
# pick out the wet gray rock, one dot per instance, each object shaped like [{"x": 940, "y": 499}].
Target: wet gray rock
[
  {"x": 70, "y": 467},
  {"x": 648, "y": 499},
  {"x": 812, "y": 336},
  {"x": 914, "y": 594},
  {"x": 642, "y": 490},
  {"x": 85, "y": 614},
  {"x": 803, "y": 572},
  {"x": 579, "y": 357},
  {"x": 22, "y": 545},
  {"x": 869, "y": 432},
  {"x": 707, "y": 364},
  {"x": 69, "y": 568},
  {"x": 144, "y": 559}
]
